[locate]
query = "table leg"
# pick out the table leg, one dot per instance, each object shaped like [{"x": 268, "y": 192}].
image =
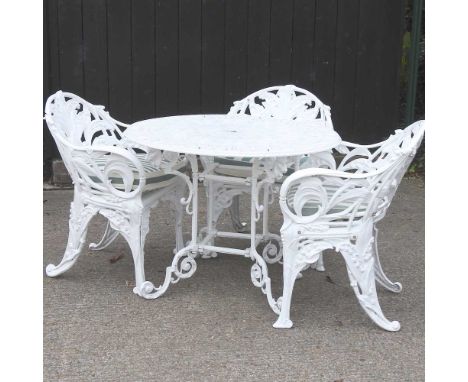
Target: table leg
[
  {"x": 259, "y": 270},
  {"x": 183, "y": 264},
  {"x": 272, "y": 252}
]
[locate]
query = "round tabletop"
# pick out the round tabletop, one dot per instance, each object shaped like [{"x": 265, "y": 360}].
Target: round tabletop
[{"x": 234, "y": 135}]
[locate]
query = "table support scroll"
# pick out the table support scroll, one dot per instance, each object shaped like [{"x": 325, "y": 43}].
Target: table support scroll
[{"x": 184, "y": 265}]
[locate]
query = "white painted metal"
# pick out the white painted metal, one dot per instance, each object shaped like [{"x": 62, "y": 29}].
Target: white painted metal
[
  {"x": 109, "y": 178},
  {"x": 275, "y": 110},
  {"x": 235, "y": 136},
  {"x": 338, "y": 209},
  {"x": 207, "y": 135}
]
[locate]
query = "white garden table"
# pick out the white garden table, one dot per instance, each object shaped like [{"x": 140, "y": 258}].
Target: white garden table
[{"x": 273, "y": 144}]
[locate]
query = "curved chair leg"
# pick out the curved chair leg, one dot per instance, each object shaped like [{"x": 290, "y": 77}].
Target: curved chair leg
[
  {"x": 290, "y": 273},
  {"x": 234, "y": 212},
  {"x": 80, "y": 216},
  {"x": 360, "y": 265},
  {"x": 319, "y": 266},
  {"x": 380, "y": 276},
  {"x": 109, "y": 236},
  {"x": 139, "y": 226},
  {"x": 300, "y": 275}
]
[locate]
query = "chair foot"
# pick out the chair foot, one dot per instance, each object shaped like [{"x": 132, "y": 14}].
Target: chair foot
[
  {"x": 109, "y": 236},
  {"x": 66, "y": 263},
  {"x": 360, "y": 264},
  {"x": 319, "y": 265},
  {"x": 380, "y": 275},
  {"x": 237, "y": 224},
  {"x": 283, "y": 324},
  {"x": 80, "y": 215}
]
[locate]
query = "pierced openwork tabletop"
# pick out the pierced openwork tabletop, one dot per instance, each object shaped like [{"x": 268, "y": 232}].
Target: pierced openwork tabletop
[
  {"x": 271, "y": 145},
  {"x": 234, "y": 136}
]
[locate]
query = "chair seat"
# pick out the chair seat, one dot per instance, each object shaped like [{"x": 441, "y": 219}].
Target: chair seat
[
  {"x": 237, "y": 167},
  {"x": 155, "y": 177}
]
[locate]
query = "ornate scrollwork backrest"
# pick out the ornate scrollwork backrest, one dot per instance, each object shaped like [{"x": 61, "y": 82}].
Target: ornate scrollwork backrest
[
  {"x": 288, "y": 102},
  {"x": 395, "y": 155},
  {"x": 363, "y": 186},
  {"x": 82, "y": 123},
  {"x": 91, "y": 145}
]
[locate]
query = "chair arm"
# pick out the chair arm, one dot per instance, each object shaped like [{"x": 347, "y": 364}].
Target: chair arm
[
  {"x": 312, "y": 172},
  {"x": 336, "y": 195},
  {"x": 120, "y": 162}
]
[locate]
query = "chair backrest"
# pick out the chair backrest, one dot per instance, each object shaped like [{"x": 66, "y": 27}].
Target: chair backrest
[
  {"x": 90, "y": 143},
  {"x": 395, "y": 156},
  {"x": 389, "y": 160},
  {"x": 363, "y": 186},
  {"x": 288, "y": 102}
]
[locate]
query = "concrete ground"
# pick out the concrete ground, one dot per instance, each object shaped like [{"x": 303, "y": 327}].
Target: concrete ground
[{"x": 216, "y": 326}]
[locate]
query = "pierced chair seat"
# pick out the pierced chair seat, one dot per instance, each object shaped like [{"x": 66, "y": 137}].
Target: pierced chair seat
[
  {"x": 156, "y": 178},
  {"x": 241, "y": 167},
  {"x": 230, "y": 166}
]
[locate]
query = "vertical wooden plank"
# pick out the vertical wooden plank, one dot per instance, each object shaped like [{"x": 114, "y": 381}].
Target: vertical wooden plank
[
  {"x": 281, "y": 27},
  {"x": 143, "y": 92},
  {"x": 325, "y": 35},
  {"x": 345, "y": 68},
  {"x": 258, "y": 45},
  {"x": 47, "y": 141},
  {"x": 213, "y": 56},
  {"x": 190, "y": 56},
  {"x": 95, "y": 51},
  {"x": 45, "y": 52},
  {"x": 235, "y": 51},
  {"x": 71, "y": 46},
  {"x": 119, "y": 16},
  {"x": 302, "y": 73},
  {"x": 53, "y": 35},
  {"x": 392, "y": 40},
  {"x": 368, "y": 100},
  {"x": 53, "y": 74},
  {"x": 167, "y": 57}
]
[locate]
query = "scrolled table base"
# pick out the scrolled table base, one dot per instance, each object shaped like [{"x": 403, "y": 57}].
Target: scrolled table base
[{"x": 183, "y": 266}]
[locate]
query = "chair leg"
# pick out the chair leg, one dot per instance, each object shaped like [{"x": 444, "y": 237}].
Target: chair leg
[
  {"x": 290, "y": 273},
  {"x": 139, "y": 227},
  {"x": 380, "y": 276},
  {"x": 300, "y": 275},
  {"x": 360, "y": 264},
  {"x": 80, "y": 216},
  {"x": 234, "y": 211},
  {"x": 319, "y": 266},
  {"x": 133, "y": 224},
  {"x": 109, "y": 236}
]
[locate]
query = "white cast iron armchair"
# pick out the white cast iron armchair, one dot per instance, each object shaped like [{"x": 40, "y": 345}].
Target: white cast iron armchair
[
  {"x": 338, "y": 209},
  {"x": 287, "y": 102},
  {"x": 112, "y": 177}
]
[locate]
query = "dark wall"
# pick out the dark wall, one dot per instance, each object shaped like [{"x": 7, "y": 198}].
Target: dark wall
[{"x": 146, "y": 58}]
